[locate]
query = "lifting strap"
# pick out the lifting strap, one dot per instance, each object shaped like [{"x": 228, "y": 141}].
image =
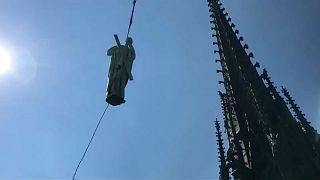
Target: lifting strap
[
  {"x": 85, "y": 152},
  {"x": 132, "y": 12}
]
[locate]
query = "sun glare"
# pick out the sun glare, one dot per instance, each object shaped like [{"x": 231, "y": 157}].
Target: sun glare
[{"x": 5, "y": 60}]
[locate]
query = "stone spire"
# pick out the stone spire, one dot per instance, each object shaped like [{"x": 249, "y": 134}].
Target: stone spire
[
  {"x": 224, "y": 170},
  {"x": 265, "y": 142}
]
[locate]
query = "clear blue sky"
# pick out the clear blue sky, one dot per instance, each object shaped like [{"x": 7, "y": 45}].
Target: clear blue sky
[{"x": 51, "y": 101}]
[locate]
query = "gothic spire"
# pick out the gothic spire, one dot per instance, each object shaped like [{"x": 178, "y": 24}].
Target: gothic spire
[
  {"x": 224, "y": 170},
  {"x": 265, "y": 141}
]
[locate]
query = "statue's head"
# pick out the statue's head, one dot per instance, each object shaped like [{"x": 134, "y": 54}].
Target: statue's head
[{"x": 129, "y": 41}]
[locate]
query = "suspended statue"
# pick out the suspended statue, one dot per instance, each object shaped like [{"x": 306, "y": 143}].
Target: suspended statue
[{"x": 122, "y": 57}]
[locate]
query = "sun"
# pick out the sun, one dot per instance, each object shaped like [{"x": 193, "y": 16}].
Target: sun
[{"x": 5, "y": 60}]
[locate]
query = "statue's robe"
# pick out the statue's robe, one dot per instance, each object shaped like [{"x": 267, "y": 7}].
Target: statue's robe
[{"x": 122, "y": 58}]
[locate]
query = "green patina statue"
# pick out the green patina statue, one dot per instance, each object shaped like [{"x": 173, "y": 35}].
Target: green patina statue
[{"x": 122, "y": 57}]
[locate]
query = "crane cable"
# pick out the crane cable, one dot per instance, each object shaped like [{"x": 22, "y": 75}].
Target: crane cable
[
  {"x": 132, "y": 12},
  {"x": 85, "y": 152}
]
